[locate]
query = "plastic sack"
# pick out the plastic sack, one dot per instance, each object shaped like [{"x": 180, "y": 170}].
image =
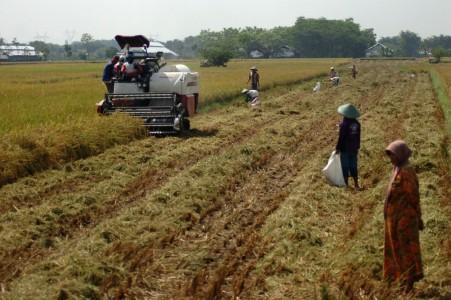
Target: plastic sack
[
  {"x": 333, "y": 171},
  {"x": 317, "y": 87}
]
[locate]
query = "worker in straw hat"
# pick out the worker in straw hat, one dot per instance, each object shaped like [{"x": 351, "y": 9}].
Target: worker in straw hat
[
  {"x": 254, "y": 78},
  {"x": 333, "y": 76},
  {"x": 348, "y": 144},
  {"x": 251, "y": 97}
]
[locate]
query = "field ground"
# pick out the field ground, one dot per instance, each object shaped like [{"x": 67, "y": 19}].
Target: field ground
[{"x": 237, "y": 209}]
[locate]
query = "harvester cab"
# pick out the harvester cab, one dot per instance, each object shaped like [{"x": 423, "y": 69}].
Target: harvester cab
[{"x": 163, "y": 96}]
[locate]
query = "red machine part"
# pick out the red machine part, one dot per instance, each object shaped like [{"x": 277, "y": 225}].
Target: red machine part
[{"x": 190, "y": 103}]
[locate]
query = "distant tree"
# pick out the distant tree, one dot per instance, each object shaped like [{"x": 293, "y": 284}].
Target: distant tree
[
  {"x": 393, "y": 43},
  {"x": 330, "y": 38},
  {"x": 86, "y": 39},
  {"x": 15, "y": 42},
  {"x": 83, "y": 55},
  {"x": 369, "y": 37},
  {"x": 443, "y": 41},
  {"x": 217, "y": 55},
  {"x": 267, "y": 41},
  {"x": 41, "y": 47},
  {"x": 215, "y": 48},
  {"x": 410, "y": 43},
  {"x": 438, "y": 53},
  {"x": 2, "y": 41},
  {"x": 67, "y": 49},
  {"x": 177, "y": 46},
  {"x": 110, "y": 52}
]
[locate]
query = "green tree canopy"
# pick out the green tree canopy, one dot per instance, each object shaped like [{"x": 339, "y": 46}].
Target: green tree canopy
[
  {"x": 330, "y": 38},
  {"x": 438, "y": 53},
  {"x": 86, "y": 39},
  {"x": 41, "y": 47},
  {"x": 410, "y": 43},
  {"x": 67, "y": 50}
]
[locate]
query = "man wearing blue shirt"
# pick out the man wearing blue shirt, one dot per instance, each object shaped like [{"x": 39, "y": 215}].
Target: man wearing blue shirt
[{"x": 108, "y": 73}]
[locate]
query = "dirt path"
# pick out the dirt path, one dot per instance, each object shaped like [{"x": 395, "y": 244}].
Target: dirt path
[{"x": 238, "y": 209}]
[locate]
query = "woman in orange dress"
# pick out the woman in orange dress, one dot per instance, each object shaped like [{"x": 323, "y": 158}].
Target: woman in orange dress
[{"x": 402, "y": 214}]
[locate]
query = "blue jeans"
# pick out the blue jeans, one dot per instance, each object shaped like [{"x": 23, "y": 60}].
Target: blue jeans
[{"x": 348, "y": 164}]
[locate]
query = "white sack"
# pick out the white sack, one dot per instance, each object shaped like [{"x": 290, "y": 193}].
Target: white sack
[
  {"x": 333, "y": 172},
  {"x": 317, "y": 87}
]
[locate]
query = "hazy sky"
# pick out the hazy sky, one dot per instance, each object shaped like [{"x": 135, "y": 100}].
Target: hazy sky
[{"x": 59, "y": 20}]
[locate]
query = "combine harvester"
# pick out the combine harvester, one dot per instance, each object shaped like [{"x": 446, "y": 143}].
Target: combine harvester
[{"x": 163, "y": 96}]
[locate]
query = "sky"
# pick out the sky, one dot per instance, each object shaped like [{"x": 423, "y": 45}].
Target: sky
[{"x": 56, "y": 21}]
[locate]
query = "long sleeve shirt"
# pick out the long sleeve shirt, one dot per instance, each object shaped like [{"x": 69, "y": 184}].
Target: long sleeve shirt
[
  {"x": 349, "y": 136},
  {"x": 108, "y": 72}
]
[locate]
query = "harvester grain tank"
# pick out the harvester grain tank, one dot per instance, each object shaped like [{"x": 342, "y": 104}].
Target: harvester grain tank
[{"x": 163, "y": 96}]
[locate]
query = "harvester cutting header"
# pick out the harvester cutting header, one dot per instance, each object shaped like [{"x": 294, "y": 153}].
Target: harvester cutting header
[{"x": 143, "y": 86}]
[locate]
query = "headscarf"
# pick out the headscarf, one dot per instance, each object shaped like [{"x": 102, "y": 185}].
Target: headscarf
[
  {"x": 402, "y": 153},
  {"x": 400, "y": 150}
]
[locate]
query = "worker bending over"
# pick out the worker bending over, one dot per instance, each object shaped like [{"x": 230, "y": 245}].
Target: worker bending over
[{"x": 251, "y": 97}]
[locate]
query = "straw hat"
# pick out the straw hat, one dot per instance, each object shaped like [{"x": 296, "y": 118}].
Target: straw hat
[
  {"x": 253, "y": 68},
  {"x": 332, "y": 68},
  {"x": 244, "y": 91},
  {"x": 348, "y": 111}
]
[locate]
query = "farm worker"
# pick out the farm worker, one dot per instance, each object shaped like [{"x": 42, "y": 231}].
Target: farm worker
[
  {"x": 129, "y": 69},
  {"x": 254, "y": 78},
  {"x": 332, "y": 72},
  {"x": 251, "y": 97},
  {"x": 333, "y": 76},
  {"x": 354, "y": 71},
  {"x": 348, "y": 144},
  {"x": 402, "y": 215},
  {"x": 118, "y": 66},
  {"x": 108, "y": 73}
]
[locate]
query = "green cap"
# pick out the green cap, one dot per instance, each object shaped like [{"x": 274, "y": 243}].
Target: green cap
[{"x": 349, "y": 111}]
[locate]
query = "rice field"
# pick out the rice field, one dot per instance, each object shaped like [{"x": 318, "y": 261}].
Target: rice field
[
  {"x": 32, "y": 95},
  {"x": 48, "y": 114},
  {"x": 237, "y": 209}
]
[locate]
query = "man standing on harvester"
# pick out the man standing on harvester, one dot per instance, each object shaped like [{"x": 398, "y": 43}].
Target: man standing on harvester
[{"x": 108, "y": 74}]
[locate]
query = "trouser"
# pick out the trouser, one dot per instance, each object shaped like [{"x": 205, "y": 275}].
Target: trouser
[
  {"x": 109, "y": 86},
  {"x": 348, "y": 164}
]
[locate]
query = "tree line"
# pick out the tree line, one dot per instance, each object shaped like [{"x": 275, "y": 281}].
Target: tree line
[{"x": 306, "y": 38}]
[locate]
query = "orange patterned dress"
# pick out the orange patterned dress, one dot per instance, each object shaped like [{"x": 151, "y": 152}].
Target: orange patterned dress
[{"x": 402, "y": 255}]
